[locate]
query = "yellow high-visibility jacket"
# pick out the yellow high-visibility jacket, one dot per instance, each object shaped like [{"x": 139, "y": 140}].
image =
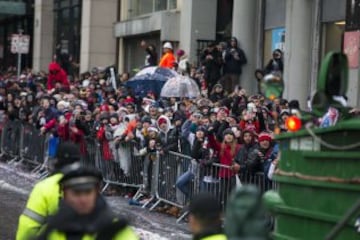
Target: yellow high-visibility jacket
[
  {"x": 216, "y": 237},
  {"x": 124, "y": 234},
  {"x": 43, "y": 202}
]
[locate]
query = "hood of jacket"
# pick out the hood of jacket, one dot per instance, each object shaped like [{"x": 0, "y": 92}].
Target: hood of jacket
[
  {"x": 54, "y": 66},
  {"x": 161, "y": 119}
]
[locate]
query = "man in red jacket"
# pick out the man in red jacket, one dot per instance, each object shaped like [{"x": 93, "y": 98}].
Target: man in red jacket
[{"x": 57, "y": 78}]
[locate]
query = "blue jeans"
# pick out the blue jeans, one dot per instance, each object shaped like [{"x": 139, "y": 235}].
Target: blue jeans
[{"x": 183, "y": 182}]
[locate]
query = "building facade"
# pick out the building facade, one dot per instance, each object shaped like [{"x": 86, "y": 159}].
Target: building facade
[
  {"x": 89, "y": 33},
  {"x": 15, "y": 16}
]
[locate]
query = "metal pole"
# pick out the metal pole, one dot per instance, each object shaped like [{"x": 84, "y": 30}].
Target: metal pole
[
  {"x": 343, "y": 221},
  {"x": 19, "y": 55},
  {"x": 18, "y": 65}
]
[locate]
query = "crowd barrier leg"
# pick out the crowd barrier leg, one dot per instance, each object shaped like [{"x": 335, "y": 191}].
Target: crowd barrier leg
[
  {"x": 45, "y": 168},
  {"x": 151, "y": 178},
  {"x": 10, "y": 141}
]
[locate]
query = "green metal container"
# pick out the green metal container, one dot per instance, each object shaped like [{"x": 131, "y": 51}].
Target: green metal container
[{"x": 317, "y": 182}]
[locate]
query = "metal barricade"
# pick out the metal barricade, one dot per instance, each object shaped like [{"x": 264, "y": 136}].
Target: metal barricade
[
  {"x": 168, "y": 168},
  {"x": 10, "y": 140},
  {"x": 32, "y": 147},
  {"x": 89, "y": 158},
  {"x": 126, "y": 172}
]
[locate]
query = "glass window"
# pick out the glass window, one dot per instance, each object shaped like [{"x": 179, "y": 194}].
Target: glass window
[
  {"x": 67, "y": 32},
  {"x": 145, "y": 6},
  {"x": 142, "y": 7},
  {"x": 172, "y": 4},
  {"x": 64, "y": 3},
  {"x": 160, "y": 5}
]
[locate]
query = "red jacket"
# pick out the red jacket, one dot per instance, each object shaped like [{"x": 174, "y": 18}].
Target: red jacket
[
  {"x": 63, "y": 129},
  {"x": 78, "y": 138},
  {"x": 254, "y": 125},
  {"x": 105, "y": 147},
  {"x": 58, "y": 77},
  {"x": 225, "y": 157}
]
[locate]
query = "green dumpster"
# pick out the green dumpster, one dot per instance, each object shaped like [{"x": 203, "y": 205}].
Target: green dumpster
[{"x": 318, "y": 181}]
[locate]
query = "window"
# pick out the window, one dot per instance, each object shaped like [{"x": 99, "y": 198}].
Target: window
[
  {"x": 143, "y": 7},
  {"x": 67, "y": 32}
]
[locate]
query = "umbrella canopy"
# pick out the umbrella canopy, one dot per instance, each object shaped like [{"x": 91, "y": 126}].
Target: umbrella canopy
[
  {"x": 180, "y": 86},
  {"x": 150, "y": 79}
]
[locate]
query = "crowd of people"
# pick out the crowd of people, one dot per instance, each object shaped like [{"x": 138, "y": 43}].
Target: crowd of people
[{"x": 227, "y": 125}]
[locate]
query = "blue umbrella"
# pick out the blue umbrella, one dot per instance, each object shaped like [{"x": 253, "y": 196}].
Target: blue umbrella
[{"x": 150, "y": 79}]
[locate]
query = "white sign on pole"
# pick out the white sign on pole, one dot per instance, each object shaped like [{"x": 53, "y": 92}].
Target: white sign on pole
[{"x": 20, "y": 43}]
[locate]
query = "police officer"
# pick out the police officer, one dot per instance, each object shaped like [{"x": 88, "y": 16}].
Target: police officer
[
  {"x": 205, "y": 218},
  {"x": 44, "y": 198},
  {"x": 83, "y": 212}
]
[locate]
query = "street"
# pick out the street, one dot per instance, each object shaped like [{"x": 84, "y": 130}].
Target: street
[
  {"x": 14, "y": 189},
  {"x": 11, "y": 205}
]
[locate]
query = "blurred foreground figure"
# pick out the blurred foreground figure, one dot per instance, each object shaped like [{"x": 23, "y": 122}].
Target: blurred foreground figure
[
  {"x": 44, "y": 197},
  {"x": 205, "y": 218},
  {"x": 83, "y": 212},
  {"x": 245, "y": 215}
]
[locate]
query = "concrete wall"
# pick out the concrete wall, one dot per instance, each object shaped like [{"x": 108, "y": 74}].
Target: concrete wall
[
  {"x": 166, "y": 21},
  {"x": 333, "y": 10},
  {"x": 198, "y": 21},
  {"x": 298, "y": 45},
  {"x": 245, "y": 26},
  {"x": 98, "y": 43},
  {"x": 43, "y": 34},
  {"x": 274, "y": 13}
]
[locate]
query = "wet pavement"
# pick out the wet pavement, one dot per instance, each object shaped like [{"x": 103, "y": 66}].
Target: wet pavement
[
  {"x": 11, "y": 205},
  {"x": 15, "y": 185}
]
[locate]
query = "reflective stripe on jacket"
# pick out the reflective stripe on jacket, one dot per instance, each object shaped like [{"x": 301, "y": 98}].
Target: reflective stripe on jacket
[
  {"x": 125, "y": 234},
  {"x": 43, "y": 201}
]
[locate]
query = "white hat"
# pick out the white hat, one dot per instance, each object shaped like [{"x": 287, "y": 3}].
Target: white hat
[
  {"x": 153, "y": 129},
  {"x": 168, "y": 45},
  {"x": 86, "y": 83}
]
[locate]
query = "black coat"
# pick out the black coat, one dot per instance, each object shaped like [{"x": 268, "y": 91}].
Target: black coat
[
  {"x": 274, "y": 65},
  {"x": 234, "y": 60},
  {"x": 212, "y": 66}
]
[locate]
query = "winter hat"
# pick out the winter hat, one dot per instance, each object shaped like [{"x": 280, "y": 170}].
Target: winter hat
[
  {"x": 234, "y": 117},
  {"x": 161, "y": 121},
  {"x": 63, "y": 103},
  {"x": 177, "y": 117},
  {"x": 264, "y": 136},
  {"x": 153, "y": 129},
  {"x": 228, "y": 131},
  {"x": 129, "y": 100},
  {"x": 104, "y": 116},
  {"x": 180, "y": 52},
  {"x": 202, "y": 129},
  {"x": 218, "y": 85},
  {"x": 114, "y": 115},
  {"x": 104, "y": 108},
  {"x": 146, "y": 119},
  {"x": 225, "y": 109}
]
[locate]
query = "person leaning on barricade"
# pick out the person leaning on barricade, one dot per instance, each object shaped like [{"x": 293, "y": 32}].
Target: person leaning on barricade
[
  {"x": 44, "y": 197},
  {"x": 83, "y": 212}
]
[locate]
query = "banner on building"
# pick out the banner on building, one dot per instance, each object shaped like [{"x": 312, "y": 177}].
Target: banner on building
[
  {"x": 351, "y": 48},
  {"x": 278, "y": 39}
]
